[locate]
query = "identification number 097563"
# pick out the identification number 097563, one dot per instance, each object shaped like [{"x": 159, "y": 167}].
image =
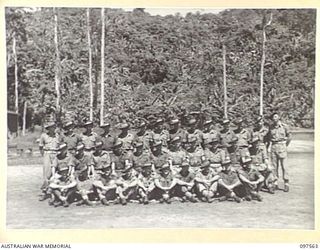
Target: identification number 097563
[{"x": 309, "y": 246}]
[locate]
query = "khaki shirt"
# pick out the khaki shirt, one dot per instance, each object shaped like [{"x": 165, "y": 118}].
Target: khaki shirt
[
  {"x": 279, "y": 133},
  {"x": 226, "y": 137},
  {"x": 89, "y": 140},
  {"x": 49, "y": 142},
  {"x": 101, "y": 160},
  {"x": 127, "y": 141},
  {"x": 71, "y": 140},
  {"x": 244, "y": 137},
  {"x": 177, "y": 157},
  {"x": 215, "y": 157},
  {"x": 195, "y": 158},
  {"x": 259, "y": 156},
  {"x": 261, "y": 134}
]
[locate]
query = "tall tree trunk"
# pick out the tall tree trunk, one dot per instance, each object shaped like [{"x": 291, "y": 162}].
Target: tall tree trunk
[
  {"x": 90, "y": 64},
  {"x": 24, "y": 121},
  {"x": 225, "y": 98},
  {"x": 16, "y": 104},
  {"x": 57, "y": 64},
  {"x": 102, "y": 68}
]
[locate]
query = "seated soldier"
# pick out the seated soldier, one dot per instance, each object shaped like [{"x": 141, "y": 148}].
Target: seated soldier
[
  {"x": 176, "y": 154},
  {"x": 235, "y": 153},
  {"x": 62, "y": 183},
  {"x": 185, "y": 183},
  {"x": 119, "y": 158},
  {"x": 127, "y": 184},
  {"x": 214, "y": 154},
  {"x": 206, "y": 182},
  {"x": 194, "y": 154},
  {"x": 139, "y": 156},
  {"x": 146, "y": 185},
  {"x": 164, "y": 183},
  {"x": 251, "y": 179},
  {"x": 260, "y": 162},
  {"x": 229, "y": 183},
  {"x": 83, "y": 169}
]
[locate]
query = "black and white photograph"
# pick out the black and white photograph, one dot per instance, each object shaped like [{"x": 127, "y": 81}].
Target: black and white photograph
[{"x": 160, "y": 118}]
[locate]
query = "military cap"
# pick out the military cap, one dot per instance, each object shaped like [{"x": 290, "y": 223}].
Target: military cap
[
  {"x": 273, "y": 114},
  {"x": 50, "y": 124},
  {"x": 117, "y": 144},
  {"x": 225, "y": 121},
  {"x": 146, "y": 165},
  {"x": 245, "y": 159},
  {"x": 175, "y": 139},
  {"x": 207, "y": 122},
  {"x": 88, "y": 123},
  {"x": 62, "y": 146},
  {"x": 174, "y": 121},
  {"x": 159, "y": 121},
  {"x": 238, "y": 120},
  {"x": 192, "y": 121},
  {"x": 192, "y": 138},
  {"x": 226, "y": 161},
  {"x": 156, "y": 143},
  {"x": 68, "y": 124},
  {"x": 185, "y": 164},
  {"x": 213, "y": 139},
  {"x": 165, "y": 166},
  {"x": 123, "y": 126},
  {"x": 234, "y": 139},
  {"x": 138, "y": 144},
  {"x": 254, "y": 139},
  {"x": 205, "y": 164},
  {"x": 105, "y": 125},
  {"x": 141, "y": 124},
  {"x": 98, "y": 143},
  {"x": 80, "y": 146}
]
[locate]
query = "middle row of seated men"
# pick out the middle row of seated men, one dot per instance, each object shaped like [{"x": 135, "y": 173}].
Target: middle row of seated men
[{"x": 190, "y": 173}]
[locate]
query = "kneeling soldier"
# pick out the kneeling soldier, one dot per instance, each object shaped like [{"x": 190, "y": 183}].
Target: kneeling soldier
[
  {"x": 62, "y": 183},
  {"x": 185, "y": 183},
  {"x": 229, "y": 183},
  {"x": 251, "y": 179},
  {"x": 165, "y": 183},
  {"x": 207, "y": 182},
  {"x": 127, "y": 184},
  {"x": 146, "y": 185}
]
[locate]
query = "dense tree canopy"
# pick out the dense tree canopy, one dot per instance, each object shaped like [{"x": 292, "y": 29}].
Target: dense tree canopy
[{"x": 159, "y": 65}]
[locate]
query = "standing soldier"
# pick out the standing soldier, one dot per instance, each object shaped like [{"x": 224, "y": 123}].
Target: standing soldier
[
  {"x": 159, "y": 133},
  {"x": 251, "y": 179},
  {"x": 165, "y": 183},
  {"x": 229, "y": 184},
  {"x": 88, "y": 138},
  {"x": 70, "y": 138},
  {"x": 106, "y": 138},
  {"x": 214, "y": 154},
  {"x": 194, "y": 154},
  {"x": 226, "y": 134},
  {"x": 260, "y": 131},
  {"x": 125, "y": 137},
  {"x": 193, "y": 131},
  {"x": 279, "y": 136},
  {"x": 244, "y": 137},
  {"x": 176, "y": 154},
  {"x": 143, "y": 135},
  {"x": 206, "y": 182},
  {"x": 48, "y": 146},
  {"x": 62, "y": 183},
  {"x": 260, "y": 162}
]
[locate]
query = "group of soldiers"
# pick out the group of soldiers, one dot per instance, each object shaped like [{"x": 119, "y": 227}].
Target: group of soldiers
[{"x": 151, "y": 162}]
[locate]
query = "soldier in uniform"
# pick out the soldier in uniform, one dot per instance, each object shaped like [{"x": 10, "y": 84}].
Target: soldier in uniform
[
  {"x": 226, "y": 134},
  {"x": 214, "y": 154},
  {"x": 251, "y": 179},
  {"x": 106, "y": 138},
  {"x": 260, "y": 162},
  {"x": 158, "y": 156},
  {"x": 194, "y": 154},
  {"x": 176, "y": 130},
  {"x": 208, "y": 132},
  {"x": 165, "y": 183},
  {"x": 159, "y": 133},
  {"x": 139, "y": 156},
  {"x": 244, "y": 137},
  {"x": 62, "y": 183},
  {"x": 279, "y": 136},
  {"x": 235, "y": 153},
  {"x": 260, "y": 131},
  {"x": 206, "y": 182},
  {"x": 176, "y": 154},
  {"x": 143, "y": 135},
  {"x": 146, "y": 187},
  {"x": 48, "y": 146},
  {"x": 70, "y": 138},
  {"x": 83, "y": 169},
  {"x": 125, "y": 137},
  {"x": 193, "y": 131},
  {"x": 185, "y": 183},
  {"x": 120, "y": 159},
  {"x": 229, "y": 183},
  {"x": 127, "y": 184},
  {"x": 88, "y": 138}
]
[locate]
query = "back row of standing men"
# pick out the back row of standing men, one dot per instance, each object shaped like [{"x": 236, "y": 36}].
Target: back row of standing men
[{"x": 157, "y": 146}]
